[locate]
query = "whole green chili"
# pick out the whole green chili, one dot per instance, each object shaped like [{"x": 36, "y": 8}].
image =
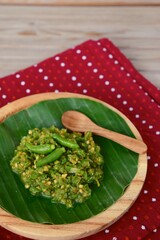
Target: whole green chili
[
  {"x": 64, "y": 174},
  {"x": 41, "y": 149},
  {"x": 65, "y": 142},
  {"x": 56, "y": 154}
]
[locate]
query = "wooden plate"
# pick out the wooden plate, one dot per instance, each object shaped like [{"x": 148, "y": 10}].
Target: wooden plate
[{"x": 83, "y": 228}]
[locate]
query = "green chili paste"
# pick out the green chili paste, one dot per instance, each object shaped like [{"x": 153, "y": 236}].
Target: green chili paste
[{"x": 59, "y": 164}]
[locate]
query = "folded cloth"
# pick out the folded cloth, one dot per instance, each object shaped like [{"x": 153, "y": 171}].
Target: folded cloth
[{"x": 99, "y": 69}]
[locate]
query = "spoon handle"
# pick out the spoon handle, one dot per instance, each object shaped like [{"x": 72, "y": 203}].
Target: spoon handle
[{"x": 133, "y": 144}]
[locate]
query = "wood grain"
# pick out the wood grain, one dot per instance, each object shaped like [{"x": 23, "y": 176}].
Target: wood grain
[
  {"x": 83, "y": 2},
  {"x": 31, "y": 34},
  {"x": 82, "y": 228}
]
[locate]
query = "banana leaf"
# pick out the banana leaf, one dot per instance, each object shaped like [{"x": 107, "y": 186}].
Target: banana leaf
[{"x": 120, "y": 164}]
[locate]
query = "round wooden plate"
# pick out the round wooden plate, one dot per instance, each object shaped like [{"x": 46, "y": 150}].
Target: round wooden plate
[{"x": 83, "y": 228}]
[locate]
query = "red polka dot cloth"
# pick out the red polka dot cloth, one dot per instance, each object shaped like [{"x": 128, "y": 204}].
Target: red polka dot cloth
[{"x": 99, "y": 69}]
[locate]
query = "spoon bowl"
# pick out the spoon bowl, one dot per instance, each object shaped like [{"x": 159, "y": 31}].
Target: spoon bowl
[
  {"x": 44, "y": 109},
  {"x": 77, "y": 121}
]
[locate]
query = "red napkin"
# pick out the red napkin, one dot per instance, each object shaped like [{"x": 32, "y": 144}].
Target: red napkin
[{"x": 99, "y": 69}]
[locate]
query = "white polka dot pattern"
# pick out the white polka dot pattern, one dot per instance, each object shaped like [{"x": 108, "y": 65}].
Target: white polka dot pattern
[{"x": 98, "y": 69}]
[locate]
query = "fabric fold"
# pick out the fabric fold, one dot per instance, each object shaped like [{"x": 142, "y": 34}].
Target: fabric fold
[{"x": 99, "y": 69}]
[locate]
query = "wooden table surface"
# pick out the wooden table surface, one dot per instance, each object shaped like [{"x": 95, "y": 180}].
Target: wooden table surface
[{"x": 32, "y": 30}]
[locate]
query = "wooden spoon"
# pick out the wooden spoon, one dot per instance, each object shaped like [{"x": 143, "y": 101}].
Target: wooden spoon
[{"x": 79, "y": 122}]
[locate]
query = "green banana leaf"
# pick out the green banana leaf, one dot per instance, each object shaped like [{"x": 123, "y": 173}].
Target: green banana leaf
[{"x": 119, "y": 168}]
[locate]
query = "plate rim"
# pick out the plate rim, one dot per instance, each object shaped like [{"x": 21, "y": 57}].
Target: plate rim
[{"x": 82, "y": 228}]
